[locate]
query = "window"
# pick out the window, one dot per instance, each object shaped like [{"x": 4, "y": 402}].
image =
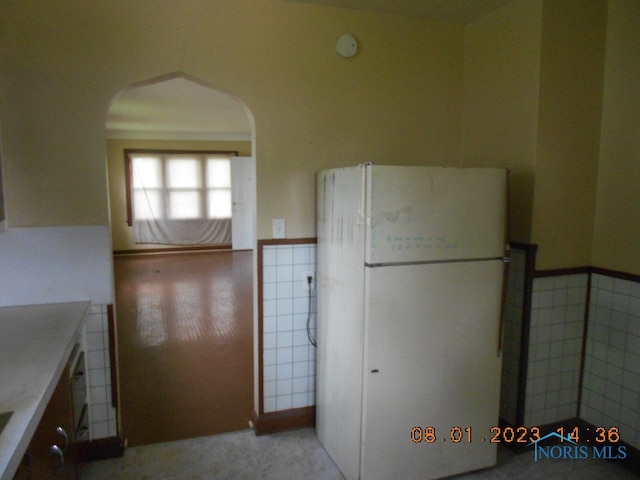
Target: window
[{"x": 178, "y": 191}]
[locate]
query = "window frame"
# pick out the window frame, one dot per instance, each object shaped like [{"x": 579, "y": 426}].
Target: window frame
[{"x": 129, "y": 153}]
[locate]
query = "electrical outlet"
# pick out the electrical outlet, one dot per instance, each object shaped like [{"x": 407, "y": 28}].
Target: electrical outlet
[{"x": 305, "y": 280}]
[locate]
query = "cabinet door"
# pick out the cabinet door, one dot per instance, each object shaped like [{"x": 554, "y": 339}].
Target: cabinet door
[{"x": 50, "y": 449}]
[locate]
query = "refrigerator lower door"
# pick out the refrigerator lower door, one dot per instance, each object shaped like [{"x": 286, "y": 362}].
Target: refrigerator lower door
[{"x": 431, "y": 363}]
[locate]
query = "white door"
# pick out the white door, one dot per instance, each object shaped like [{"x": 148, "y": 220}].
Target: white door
[{"x": 243, "y": 189}]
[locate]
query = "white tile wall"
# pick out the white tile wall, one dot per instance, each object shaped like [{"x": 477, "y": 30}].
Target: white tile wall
[
  {"x": 611, "y": 382},
  {"x": 511, "y": 351},
  {"x": 289, "y": 359},
  {"x": 102, "y": 415},
  {"x": 555, "y": 348},
  {"x": 610, "y": 394}
]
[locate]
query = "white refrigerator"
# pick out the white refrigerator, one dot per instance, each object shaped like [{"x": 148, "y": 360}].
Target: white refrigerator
[{"x": 411, "y": 264}]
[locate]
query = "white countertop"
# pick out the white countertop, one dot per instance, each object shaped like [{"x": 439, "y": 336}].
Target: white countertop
[{"x": 35, "y": 344}]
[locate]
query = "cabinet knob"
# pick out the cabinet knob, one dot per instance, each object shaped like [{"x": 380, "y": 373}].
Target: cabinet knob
[
  {"x": 56, "y": 453},
  {"x": 60, "y": 431}
]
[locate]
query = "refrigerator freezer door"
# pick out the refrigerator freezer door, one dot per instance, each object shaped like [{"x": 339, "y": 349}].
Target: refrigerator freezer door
[
  {"x": 435, "y": 213},
  {"x": 430, "y": 361}
]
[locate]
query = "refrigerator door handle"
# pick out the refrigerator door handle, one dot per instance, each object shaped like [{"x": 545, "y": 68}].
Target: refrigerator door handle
[{"x": 505, "y": 280}]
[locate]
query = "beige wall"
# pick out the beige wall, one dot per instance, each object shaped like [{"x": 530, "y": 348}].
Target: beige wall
[
  {"x": 501, "y": 88},
  {"x": 397, "y": 101},
  {"x": 617, "y": 228},
  {"x": 521, "y": 88},
  {"x": 122, "y": 234},
  {"x": 533, "y": 102},
  {"x": 570, "y": 107}
]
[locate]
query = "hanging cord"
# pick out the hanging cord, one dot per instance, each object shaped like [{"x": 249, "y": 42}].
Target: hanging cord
[{"x": 309, "y": 282}]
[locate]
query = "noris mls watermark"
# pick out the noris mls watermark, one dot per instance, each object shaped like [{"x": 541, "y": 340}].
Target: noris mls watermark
[{"x": 568, "y": 449}]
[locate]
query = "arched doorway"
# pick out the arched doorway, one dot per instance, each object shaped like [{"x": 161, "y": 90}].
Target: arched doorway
[{"x": 183, "y": 312}]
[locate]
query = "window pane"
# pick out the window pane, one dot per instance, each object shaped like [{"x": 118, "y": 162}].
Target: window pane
[
  {"x": 147, "y": 204},
  {"x": 219, "y": 203},
  {"x": 183, "y": 173},
  {"x": 184, "y": 205},
  {"x": 218, "y": 173},
  {"x": 147, "y": 172}
]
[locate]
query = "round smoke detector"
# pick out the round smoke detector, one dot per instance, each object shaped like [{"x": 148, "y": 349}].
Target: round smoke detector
[{"x": 346, "y": 46}]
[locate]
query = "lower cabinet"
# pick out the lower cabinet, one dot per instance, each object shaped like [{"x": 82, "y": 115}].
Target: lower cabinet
[{"x": 52, "y": 453}]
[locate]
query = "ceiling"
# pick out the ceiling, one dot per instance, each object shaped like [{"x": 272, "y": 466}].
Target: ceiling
[
  {"x": 177, "y": 109},
  {"x": 180, "y": 109}
]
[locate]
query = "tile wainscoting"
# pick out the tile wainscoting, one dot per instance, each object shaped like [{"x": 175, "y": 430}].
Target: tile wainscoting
[
  {"x": 102, "y": 414},
  {"x": 285, "y": 306},
  {"x": 611, "y": 378},
  {"x": 572, "y": 348},
  {"x": 555, "y": 348}
]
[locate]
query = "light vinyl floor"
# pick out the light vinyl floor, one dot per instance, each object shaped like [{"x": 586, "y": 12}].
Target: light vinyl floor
[{"x": 297, "y": 455}]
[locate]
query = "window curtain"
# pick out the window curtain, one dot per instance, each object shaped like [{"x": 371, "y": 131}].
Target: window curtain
[{"x": 183, "y": 232}]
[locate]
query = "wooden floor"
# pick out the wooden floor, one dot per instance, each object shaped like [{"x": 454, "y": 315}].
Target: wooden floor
[{"x": 185, "y": 347}]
